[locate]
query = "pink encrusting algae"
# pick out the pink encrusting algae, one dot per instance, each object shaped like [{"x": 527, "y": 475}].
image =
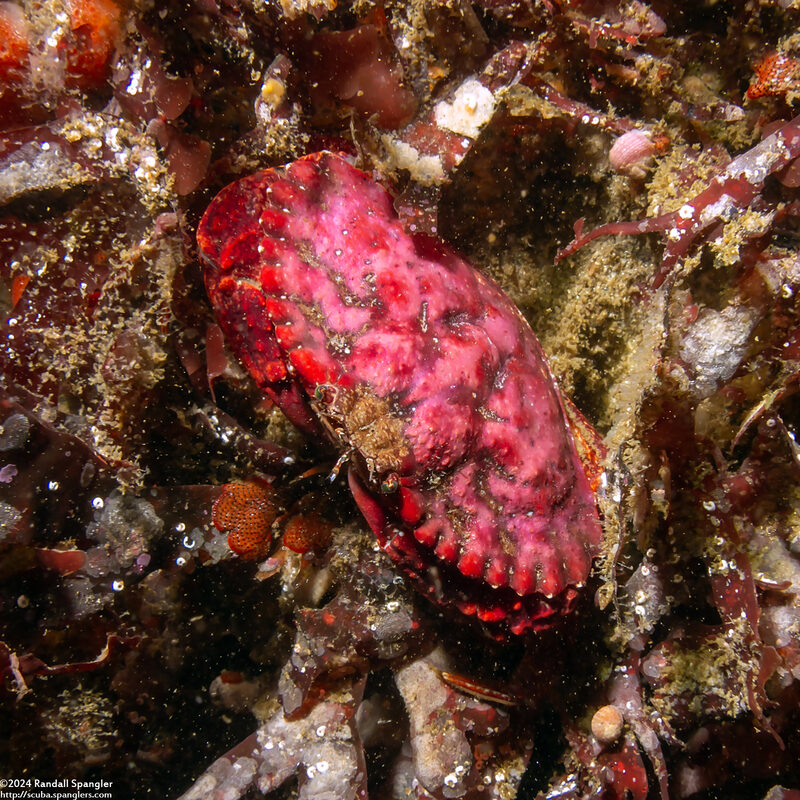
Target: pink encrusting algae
[{"x": 423, "y": 372}]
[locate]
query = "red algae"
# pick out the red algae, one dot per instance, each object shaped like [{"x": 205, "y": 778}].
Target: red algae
[{"x": 730, "y": 193}]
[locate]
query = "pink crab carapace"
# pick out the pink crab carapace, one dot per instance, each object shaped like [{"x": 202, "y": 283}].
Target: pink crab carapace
[{"x": 418, "y": 367}]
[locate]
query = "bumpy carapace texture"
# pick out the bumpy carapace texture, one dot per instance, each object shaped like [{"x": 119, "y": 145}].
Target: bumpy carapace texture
[{"x": 420, "y": 368}]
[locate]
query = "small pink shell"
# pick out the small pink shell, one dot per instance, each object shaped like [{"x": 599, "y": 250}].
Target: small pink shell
[{"x": 631, "y": 153}]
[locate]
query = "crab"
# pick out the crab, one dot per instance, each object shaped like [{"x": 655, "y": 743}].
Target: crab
[{"x": 424, "y": 376}]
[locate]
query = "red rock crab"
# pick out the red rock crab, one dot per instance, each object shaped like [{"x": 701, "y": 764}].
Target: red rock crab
[{"x": 422, "y": 373}]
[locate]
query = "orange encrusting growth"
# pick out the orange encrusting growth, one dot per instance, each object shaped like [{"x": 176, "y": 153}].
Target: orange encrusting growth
[
  {"x": 13, "y": 44},
  {"x": 306, "y": 532},
  {"x": 776, "y": 74},
  {"x": 246, "y": 512},
  {"x": 96, "y": 26}
]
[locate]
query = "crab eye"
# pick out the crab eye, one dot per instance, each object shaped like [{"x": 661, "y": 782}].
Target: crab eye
[
  {"x": 390, "y": 484},
  {"x": 320, "y": 391}
]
